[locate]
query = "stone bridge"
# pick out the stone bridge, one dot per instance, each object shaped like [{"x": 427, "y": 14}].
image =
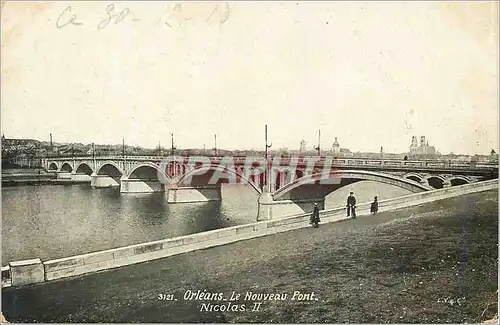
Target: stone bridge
[{"x": 284, "y": 185}]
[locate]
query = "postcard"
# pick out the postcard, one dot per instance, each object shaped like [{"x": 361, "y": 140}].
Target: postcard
[{"x": 249, "y": 162}]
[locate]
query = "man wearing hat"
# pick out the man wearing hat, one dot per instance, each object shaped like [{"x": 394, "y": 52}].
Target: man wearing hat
[
  {"x": 315, "y": 216},
  {"x": 351, "y": 205}
]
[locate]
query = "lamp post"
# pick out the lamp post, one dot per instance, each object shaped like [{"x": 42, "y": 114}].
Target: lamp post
[
  {"x": 267, "y": 145},
  {"x": 267, "y": 182},
  {"x": 318, "y": 148},
  {"x": 215, "y": 146},
  {"x": 93, "y": 158},
  {"x": 172, "y": 147},
  {"x": 123, "y": 155}
]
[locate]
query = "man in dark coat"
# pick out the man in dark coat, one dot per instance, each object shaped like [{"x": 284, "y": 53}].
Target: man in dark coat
[
  {"x": 374, "y": 206},
  {"x": 351, "y": 205},
  {"x": 315, "y": 216}
]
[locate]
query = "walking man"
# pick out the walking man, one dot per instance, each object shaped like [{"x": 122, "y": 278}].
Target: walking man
[
  {"x": 315, "y": 216},
  {"x": 351, "y": 205},
  {"x": 374, "y": 206}
]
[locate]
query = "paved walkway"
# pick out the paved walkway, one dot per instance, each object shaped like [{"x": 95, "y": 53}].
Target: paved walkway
[{"x": 432, "y": 263}]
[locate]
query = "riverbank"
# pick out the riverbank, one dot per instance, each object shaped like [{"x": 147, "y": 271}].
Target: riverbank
[
  {"x": 26, "y": 176},
  {"x": 40, "y": 181},
  {"x": 31, "y": 176},
  {"x": 26, "y": 170},
  {"x": 435, "y": 263}
]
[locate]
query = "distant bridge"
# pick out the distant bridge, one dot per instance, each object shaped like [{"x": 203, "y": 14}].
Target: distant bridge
[{"x": 283, "y": 184}]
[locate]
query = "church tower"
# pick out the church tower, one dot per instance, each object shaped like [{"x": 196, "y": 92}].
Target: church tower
[
  {"x": 302, "y": 146},
  {"x": 414, "y": 143},
  {"x": 422, "y": 141},
  {"x": 336, "y": 147}
]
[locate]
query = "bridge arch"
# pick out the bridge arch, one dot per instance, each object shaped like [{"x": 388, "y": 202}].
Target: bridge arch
[
  {"x": 414, "y": 177},
  {"x": 84, "y": 168},
  {"x": 346, "y": 177},
  {"x": 194, "y": 172},
  {"x": 111, "y": 169},
  {"x": 144, "y": 171},
  {"x": 66, "y": 167},
  {"x": 458, "y": 180},
  {"x": 53, "y": 166},
  {"x": 435, "y": 181}
]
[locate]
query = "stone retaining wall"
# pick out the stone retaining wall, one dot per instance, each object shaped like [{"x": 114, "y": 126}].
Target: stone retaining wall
[{"x": 31, "y": 271}]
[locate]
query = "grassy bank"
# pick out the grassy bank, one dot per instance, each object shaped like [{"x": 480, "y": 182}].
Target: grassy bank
[{"x": 435, "y": 263}]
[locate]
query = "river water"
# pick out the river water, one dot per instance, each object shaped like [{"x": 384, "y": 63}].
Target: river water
[{"x": 54, "y": 221}]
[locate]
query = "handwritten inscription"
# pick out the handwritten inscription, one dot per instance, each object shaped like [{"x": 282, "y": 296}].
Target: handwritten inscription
[
  {"x": 115, "y": 15},
  {"x": 64, "y": 19},
  {"x": 112, "y": 14},
  {"x": 225, "y": 11}
]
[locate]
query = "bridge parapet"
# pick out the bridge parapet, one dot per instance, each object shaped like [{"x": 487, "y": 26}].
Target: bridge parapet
[
  {"x": 306, "y": 159},
  {"x": 278, "y": 172}
]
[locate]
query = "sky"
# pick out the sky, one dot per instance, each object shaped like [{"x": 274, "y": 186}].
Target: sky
[{"x": 370, "y": 73}]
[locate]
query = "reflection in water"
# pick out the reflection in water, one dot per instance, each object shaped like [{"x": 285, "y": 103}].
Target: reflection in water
[{"x": 51, "y": 222}]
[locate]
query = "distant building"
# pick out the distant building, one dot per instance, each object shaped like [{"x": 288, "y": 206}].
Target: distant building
[
  {"x": 337, "y": 151},
  {"x": 302, "y": 146},
  {"x": 423, "y": 149},
  {"x": 335, "y": 147},
  {"x": 283, "y": 151},
  {"x": 493, "y": 155}
]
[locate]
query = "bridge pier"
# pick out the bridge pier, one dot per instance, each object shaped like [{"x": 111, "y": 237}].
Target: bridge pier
[
  {"x": 424, "y": 182},
  {"x": 132, "y": 185},
  {"x": 194, "y": 194},
  {"x": 446, "y": 183},
  {"x": 80, "y": 177},
  {"x": 63, "y": 175},
  {"x": 101, "y": 181},
  {"x": 271, "y": 209}
]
